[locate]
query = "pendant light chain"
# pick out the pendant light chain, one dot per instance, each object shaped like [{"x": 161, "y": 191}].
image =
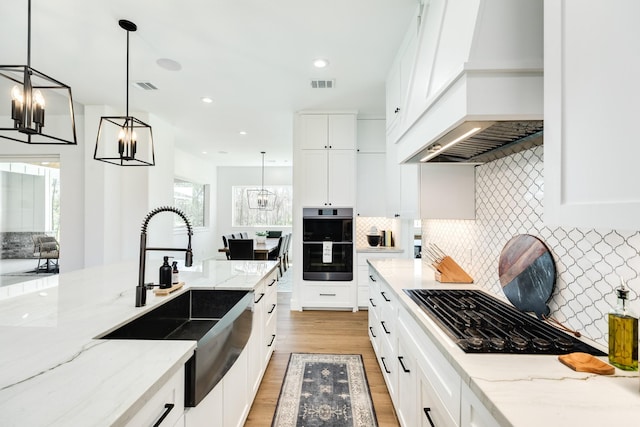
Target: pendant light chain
[
  {"x": 127, "y": 82},
  {"x": 29, "y": 34}
]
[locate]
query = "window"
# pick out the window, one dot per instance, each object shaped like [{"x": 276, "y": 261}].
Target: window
[
  {"x": 281, "y": 216},
  {"x": 191, "y": 198}
]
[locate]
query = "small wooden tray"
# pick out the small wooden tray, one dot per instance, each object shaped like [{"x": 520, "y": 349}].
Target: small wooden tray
[
  {"x": 583, "y": 362},
  {"x": 167, "y": 291}
]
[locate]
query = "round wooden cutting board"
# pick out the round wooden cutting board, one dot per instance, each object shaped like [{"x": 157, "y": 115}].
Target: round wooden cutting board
[{"x": 527, "y": 274}]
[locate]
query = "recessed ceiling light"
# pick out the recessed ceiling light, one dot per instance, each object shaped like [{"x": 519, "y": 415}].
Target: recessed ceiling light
[
  {"x": 169, "y": 64},
  {"x": 206, "y": 100},
  {"x": 320, "y": 63},
  {"x": 222, "y": 152},
  {"x": 243, "y": 132},
  {"x": 204, "y": 152}
]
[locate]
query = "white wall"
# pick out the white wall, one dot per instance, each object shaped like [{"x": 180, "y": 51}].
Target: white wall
[{"x": 230, "y": 176}]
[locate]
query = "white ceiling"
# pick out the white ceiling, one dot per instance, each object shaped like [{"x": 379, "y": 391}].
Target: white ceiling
[{"x": 252, "y": 57}]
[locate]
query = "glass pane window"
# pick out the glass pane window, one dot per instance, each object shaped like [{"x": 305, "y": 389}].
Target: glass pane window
[
  {"x": 190, "y": 198},
  {"x": 281, "y": 215}
]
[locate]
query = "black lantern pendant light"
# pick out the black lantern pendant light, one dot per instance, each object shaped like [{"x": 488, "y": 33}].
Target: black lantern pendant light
[
  {"x": 22, "y": 118},
  {"x": 261, "y": 199},
  {"x": 125, "y": 140}
]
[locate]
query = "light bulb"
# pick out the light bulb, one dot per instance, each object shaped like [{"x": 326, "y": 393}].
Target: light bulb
[
  {"x": 38, "y": 99},
  {"x": 121, "y": 135},
  {"x": 16, "y": 94}
]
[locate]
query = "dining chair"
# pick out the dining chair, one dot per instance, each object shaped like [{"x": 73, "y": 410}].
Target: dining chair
[
  {"x": 287, "y": 244},
  {"x": 225, "y": 240},
  {"x": 241, "y": 249}
]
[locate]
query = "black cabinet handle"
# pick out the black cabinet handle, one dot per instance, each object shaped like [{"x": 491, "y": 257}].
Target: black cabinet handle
[
  {"x": 372, "y": 334},
  {"x": 372, "y": 278},
  {"x": 372, "y": 303},
  {"x": 385, "y": 366},
  {"x": 397, "y": 110},
  {"x": 272, "y": 283},
  {"x": 384, "y": 327},
  {"x": 404, "y": 368},
  {"x": 385, "y": 296},
  {"x": 426, "y": 412},
  {"x": 258, "y": 300},
  {"x": 273, "y": 338},
  {"x": 167, "y": 408},
  {"x": 327, "y": 295},
  {"x": 273, "y": 307}
]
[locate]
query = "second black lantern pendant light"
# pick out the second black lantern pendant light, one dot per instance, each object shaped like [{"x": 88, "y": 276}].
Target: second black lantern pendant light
[{"x": 125, "y": 140}]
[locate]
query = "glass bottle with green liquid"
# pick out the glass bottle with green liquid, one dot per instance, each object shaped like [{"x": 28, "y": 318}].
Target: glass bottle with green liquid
[{"x": 623, "y": 333}]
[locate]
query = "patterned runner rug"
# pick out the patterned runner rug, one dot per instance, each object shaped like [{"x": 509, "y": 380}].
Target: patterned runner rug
[{"x": 325, "y": 390}]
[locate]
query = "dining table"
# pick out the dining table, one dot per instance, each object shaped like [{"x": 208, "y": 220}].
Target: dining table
[{"x": 261, "y": 250}]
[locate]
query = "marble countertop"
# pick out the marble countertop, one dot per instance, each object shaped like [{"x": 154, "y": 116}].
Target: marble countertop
[
  {"x": 521, "y": 390},
  {"x": 53, "y": 370}
]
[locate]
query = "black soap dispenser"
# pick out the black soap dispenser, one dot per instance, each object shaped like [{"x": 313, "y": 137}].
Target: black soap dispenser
[{"x": 165, "y": 274}]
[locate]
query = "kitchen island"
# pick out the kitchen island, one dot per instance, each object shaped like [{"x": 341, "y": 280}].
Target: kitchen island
[
  {"x": 482, "y": 389},
  {"x": 53, "y": 369}
]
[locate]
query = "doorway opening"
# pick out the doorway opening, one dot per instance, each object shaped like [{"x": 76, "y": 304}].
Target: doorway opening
[{"x": 29, "y": 214}]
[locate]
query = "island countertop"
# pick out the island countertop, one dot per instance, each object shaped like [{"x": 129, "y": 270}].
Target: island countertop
[
  {"x": 520, "y": 390},
  {"x": 54, "y": 370}
]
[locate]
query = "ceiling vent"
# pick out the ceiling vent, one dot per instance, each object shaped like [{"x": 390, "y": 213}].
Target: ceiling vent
[
  {"x": 145, "y": 86},
  {"x": 322, "y": 84}
]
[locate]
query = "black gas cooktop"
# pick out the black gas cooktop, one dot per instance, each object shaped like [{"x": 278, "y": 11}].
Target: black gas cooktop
[{"x": 480, "y": 323}]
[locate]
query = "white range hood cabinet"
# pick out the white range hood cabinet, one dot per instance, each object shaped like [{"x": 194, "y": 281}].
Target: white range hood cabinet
[{"x": 478, "y": 64}]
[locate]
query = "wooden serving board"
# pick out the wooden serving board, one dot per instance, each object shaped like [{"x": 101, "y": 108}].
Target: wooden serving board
[
  {"x": 583, "y": 362},
  {"x": 167, "y": 291},
  {"x": 527, "y": 274}
]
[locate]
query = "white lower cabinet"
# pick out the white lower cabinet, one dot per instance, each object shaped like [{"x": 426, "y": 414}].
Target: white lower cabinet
[
  {"x": 424, "y": 388},
  {"x": 228, "y": 404},
  {"x": 168, "y": 402},
  {"x": 236, "y": 393},
  {"x": 473, "y": 413},
  {"x": 362, "y": 273}
]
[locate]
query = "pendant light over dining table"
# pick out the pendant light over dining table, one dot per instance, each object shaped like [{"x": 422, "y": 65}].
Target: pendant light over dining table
[
  {"x": 261, "y": 199},
  {"x": 25, "y": 95},
  {"x": 125, "y": 140}
]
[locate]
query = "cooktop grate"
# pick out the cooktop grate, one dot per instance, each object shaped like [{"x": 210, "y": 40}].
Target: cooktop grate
[{"x": 480, "y": 323}]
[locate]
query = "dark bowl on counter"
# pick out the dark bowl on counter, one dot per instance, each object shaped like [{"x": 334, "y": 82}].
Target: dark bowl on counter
[{"x": 373, "y": 240}]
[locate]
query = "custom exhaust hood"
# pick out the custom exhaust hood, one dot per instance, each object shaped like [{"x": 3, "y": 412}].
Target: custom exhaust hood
[{"x": 483, "y": 80}]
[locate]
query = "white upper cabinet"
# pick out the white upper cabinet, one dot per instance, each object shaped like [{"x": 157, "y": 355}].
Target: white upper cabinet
[
  {"x": 591, "y": 92},
  {"x": 327, "y": 131},
  {"x": 371, "y": 173},
  {"x": 399, "y": 76},
  {"x": 325, "y": 159},
  {"x": 371, "y": 136}
]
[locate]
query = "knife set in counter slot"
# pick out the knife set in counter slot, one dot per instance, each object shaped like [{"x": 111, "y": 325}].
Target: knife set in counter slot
[{"x": 446, "y": 269}]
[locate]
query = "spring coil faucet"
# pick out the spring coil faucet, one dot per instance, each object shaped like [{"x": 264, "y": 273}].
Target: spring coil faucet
[{"x": 141, "y": 288}]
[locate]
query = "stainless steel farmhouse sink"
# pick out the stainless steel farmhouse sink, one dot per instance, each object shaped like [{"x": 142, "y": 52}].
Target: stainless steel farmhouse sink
[{"x": 220, "y": 322}]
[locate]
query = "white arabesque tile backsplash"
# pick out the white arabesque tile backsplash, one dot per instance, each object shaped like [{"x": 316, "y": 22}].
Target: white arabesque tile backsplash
[{"x": 509, "y": 201}]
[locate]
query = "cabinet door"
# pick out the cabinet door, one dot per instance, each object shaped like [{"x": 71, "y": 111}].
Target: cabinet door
[
  {"x": 342, "y": 131},
  {"x": 590, "y": 114},
  {"x": 407, "y": 384},
  {"x": 314, "y": 130},
  {"x": 473, "y": 412},
  {"x": 371, "y": 136},
  {"x": 314, "y": 172},
  {"x": 433, "y": 412},
  {"x": 392, "y": 177},
  {"x": 371, "y": 185},
  {"x": 236, "y": 393},
  {"x": 341, "y": 179}
]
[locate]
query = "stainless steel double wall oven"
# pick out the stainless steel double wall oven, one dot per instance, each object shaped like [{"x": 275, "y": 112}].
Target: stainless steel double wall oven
[{"x": 327, "y": 244}]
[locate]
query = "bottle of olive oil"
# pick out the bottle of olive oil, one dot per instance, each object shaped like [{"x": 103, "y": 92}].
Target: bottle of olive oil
[{"x": 623, "y": 333}]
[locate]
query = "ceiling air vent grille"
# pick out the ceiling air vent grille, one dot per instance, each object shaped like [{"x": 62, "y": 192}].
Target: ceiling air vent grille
[
  {"x": 146, "y": 86},
  {"x": 322, "y": 84}
]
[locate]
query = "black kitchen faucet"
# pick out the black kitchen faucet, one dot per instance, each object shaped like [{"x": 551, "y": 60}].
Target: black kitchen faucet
[{"x": 141, "y": 288}]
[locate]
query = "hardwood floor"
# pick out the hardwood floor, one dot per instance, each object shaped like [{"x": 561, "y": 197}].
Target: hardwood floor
[{"x": 319, "y": 332}]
